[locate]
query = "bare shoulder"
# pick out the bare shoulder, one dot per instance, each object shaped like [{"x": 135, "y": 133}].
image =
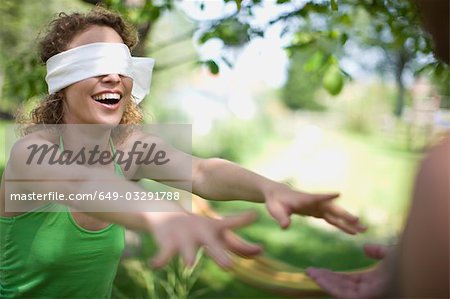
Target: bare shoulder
[
  {"x": 16, "y": 167},
  {"x": 138, "y": 138},
  {"x": 21, "y": 150}
]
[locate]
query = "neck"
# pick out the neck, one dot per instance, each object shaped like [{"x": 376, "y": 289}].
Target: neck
[{"x": 77, "y": 137}]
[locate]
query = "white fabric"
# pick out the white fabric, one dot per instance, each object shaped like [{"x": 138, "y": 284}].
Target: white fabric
[{"x": 98, "y": 59}]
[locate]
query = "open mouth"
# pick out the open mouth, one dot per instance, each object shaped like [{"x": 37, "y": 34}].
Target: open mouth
[{"x": 109, "y": 99}]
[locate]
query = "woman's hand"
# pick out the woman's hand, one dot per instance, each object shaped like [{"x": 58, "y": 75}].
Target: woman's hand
[
  {"x": 282, "y": 202},
  {"x": 371, "y": 284},
  {"x": 184, "y": 233}
]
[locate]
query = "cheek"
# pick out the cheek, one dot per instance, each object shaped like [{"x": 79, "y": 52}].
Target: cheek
[
  {"x": 128, "y": 84},
  {"x": 79, "y": 89},
  {"x": 69, "y": 96}
]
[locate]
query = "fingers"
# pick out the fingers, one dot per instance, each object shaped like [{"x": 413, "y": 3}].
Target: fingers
[
  {"x": 230, "y": 240},
  {"x": 215, "y": 249},
  {"x": 375, "y": 251},
  {"x": 340, "y": 224},
  {"x": 236, "y": 221},
  {"x": 188, "y": 251},
  {"x": 325, "y": 197},
  {"x": 344, "y": 220},
  {"x": 343, "y": 214},
  {"x": 370, "y": 284},
  {"x": 213, "y": 234},
  {"x": 163, "y": 256},
  {"x": 241, "y": 247},
  {"x": 216, "y": 245},
  {"x": 280, "y": 213}
]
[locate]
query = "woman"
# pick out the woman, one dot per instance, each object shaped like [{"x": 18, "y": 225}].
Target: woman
[{"x": 73, "y": 254}]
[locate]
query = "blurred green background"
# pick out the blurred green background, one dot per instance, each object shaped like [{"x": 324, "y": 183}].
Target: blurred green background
[{"x": 322, "y": 95}]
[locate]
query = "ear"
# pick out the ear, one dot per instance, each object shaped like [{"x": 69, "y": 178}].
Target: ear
[{"x": 60, "y": 96}]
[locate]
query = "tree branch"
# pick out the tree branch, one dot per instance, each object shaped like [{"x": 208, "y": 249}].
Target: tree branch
[
  {"x": 171, "y": 41},
  {"x": 143, "y": 32},
  {"x": 176, "y": 62},
  {"x": 285, "y": 16},
  {"x": 6, "y": 115}
]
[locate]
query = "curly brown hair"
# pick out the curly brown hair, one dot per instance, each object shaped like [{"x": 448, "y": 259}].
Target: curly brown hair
[{"x": 60, "y": 33}]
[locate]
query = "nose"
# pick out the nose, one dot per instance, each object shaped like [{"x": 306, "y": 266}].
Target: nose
[{"x": 111, "y": 78}]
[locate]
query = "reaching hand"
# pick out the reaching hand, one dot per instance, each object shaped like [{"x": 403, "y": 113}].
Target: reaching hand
[
  {"x": 362, "y": 285},
  {"x": 184, "y": 233},
  {"x": 283, "y": 202}
]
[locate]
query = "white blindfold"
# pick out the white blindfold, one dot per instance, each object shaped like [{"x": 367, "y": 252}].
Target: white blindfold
[{"x": 99, "y": 59}]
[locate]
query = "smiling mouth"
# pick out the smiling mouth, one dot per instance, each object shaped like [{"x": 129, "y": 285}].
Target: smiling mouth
[{"x": 109, "y": 99}]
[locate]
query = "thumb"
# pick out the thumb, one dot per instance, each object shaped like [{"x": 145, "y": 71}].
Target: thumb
[
  {"x": 238, "y": 220},
  {"x": 375, "y": 251},
  {"x": 162, "y": 257},
  {"x": 279, "y": 213}
]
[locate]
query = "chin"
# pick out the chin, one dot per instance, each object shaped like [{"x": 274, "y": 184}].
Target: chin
[{"x": 109, "y": 121}]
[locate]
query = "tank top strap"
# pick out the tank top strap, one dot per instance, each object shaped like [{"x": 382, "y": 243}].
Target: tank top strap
[{"x": 117, "y": 169}]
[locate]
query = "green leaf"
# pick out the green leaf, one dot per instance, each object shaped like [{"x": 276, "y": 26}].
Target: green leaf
[
  {"x": 154, "y": 13},
  {"x": 213, "y": 67},
  {"x": 206, "y": 36},
  {"x": 333, "y": 80},
  {"x": 303, "y": 38},
  {"x": 344, "y": 38},
  {"x": 233, "y": 32},
  {"x": 314, "y": 63},
  {"x": 282, "y": 1},
  {"x": 310, "y": 7},
  {"x": 424, "y": 68},
  {"x": 334, "y": 34},
  {"x": 334, "y": 5}
]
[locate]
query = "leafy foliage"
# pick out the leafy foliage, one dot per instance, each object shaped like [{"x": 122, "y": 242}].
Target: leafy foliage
[
  {"x": 24, "y": 78},
  {"x": 327, "y": 27},
  {"x": 135, "y": 278},
  {"x": 150, "y": 11},
  {"x": 304, "y": 80},
  {"x": 23, "y": 73},
  {"x": 231, "y": 31}
]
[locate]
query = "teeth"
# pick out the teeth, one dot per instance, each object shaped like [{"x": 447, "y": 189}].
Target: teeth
[{"x": 105, "y": 96}]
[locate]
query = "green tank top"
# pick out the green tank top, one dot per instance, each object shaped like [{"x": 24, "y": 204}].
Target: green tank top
[{"x": 44, "y": 253}]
